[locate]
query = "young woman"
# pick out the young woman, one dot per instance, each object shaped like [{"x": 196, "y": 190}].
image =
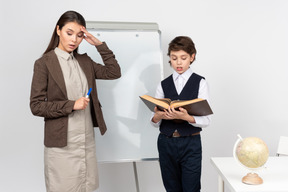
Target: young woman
[
  {"x": 179, "y": 142},
  {"x": 60, "y": 83}
]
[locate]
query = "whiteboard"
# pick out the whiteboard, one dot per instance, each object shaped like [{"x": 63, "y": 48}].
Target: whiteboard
[{"x": 130, "y": 136}]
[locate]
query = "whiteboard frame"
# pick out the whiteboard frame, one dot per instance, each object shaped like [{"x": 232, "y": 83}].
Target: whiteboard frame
[{"x": 111, "y": 25}]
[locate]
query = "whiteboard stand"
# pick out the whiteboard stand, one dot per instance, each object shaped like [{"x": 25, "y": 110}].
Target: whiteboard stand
[
  {"x": 136, "y": 173},
  {"x": 134, "y": 162},
  {"x": 136, "y": 176}
]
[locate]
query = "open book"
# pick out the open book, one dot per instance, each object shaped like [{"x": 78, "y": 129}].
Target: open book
[{"x": 197, "y": 107}]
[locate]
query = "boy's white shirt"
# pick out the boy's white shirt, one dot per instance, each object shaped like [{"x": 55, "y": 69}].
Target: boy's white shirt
[{"x": 200, "y": 121}]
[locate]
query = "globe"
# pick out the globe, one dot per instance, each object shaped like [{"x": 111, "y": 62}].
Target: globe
[{"x": 252, "y": 153}]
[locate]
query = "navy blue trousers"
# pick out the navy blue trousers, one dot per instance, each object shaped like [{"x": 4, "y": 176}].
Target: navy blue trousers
[{"x": 180, "y": 162}]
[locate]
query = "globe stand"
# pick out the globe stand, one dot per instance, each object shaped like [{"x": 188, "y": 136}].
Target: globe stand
[{"x": 252, "y": 179}]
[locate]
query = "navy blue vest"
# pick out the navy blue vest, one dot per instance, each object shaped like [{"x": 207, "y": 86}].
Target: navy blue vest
[{"x": 190, "y": 91}]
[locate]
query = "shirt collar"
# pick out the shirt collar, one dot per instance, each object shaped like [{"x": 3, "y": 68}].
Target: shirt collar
[
  {"x": 185, "y": 75},
  {"x": 63, "y": 54}
]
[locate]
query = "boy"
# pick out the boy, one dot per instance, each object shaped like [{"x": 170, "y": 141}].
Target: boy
[{"x": 179, "y": 142}]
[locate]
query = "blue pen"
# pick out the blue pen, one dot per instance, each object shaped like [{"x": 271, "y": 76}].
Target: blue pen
[{"x": 87, "y": 96}]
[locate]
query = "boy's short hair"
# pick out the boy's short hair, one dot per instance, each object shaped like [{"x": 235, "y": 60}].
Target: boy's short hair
[{"x": 182, "y": 43}]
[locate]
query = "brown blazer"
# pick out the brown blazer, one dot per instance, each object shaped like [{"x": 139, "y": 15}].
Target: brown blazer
[{"x": 48, "y": 97}]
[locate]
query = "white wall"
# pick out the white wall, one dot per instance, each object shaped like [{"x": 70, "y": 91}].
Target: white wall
[{"x": 242, "y": 48}]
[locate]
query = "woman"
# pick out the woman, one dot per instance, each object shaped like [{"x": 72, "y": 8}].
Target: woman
[{"x": 61, "y": 80}]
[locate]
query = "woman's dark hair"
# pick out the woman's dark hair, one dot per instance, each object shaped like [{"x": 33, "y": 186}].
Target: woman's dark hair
[
  {"x": 182, "y": 43},
  {"x": 69, "y": 16}
]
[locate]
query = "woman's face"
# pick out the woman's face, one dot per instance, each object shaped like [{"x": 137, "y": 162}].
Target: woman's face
[
  {"x": 180, "y": 60},
  {"x": 70, "y": 36}
]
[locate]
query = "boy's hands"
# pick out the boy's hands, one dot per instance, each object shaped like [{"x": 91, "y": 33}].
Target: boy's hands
[
  {"x": 171, "y": 114},
  {"x": 158, "y": 115}
]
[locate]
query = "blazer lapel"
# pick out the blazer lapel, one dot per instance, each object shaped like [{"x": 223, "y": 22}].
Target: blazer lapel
[{"x": 56, "y": 72}]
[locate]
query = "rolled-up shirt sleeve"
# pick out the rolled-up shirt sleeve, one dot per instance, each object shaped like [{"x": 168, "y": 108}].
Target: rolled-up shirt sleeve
[{"x": 203, "y": 93}]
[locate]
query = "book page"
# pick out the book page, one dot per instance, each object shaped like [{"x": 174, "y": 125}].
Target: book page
[{"x": 179, "y": 103}]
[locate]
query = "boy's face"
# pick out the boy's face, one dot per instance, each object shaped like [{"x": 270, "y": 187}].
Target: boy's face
[{"x": 180, "y": 60}]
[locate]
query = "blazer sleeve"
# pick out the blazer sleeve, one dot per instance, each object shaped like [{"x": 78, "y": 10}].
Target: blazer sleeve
[
  {"x": 111, "y": 68},
  {"x": 40, "y": 104}
]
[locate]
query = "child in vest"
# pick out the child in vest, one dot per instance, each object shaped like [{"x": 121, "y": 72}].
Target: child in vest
[{"x": 179, "y": 141}]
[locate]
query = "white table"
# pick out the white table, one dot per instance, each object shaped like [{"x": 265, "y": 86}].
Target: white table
[{"x": 274, "y": 175}]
